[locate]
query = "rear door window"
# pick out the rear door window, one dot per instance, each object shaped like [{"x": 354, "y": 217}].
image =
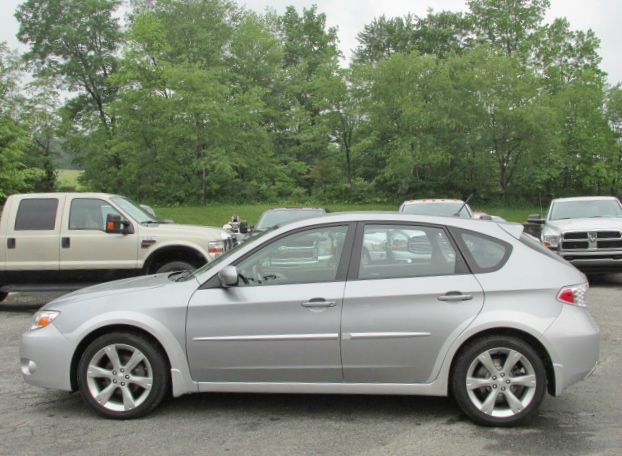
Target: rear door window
[
  {"x": 397, "y": 251},
  {"x": 36, "y": 214}
]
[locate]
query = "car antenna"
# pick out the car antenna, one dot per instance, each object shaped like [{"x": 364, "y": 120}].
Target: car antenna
[{"x": 457, "y": 214}]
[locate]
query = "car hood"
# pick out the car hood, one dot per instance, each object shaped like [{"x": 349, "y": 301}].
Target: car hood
[
  {"x": 171, "y": 229},
  {"x": 586, "y": 224},
  {"x": 135, "y": 284}
]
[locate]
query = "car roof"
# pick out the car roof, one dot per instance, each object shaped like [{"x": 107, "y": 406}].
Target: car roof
[
  {"x": 433, "y": 200},
  {"x": 584, "y": 198},
  {"x": 482, "y": 226},
  {"x": 293, "y": 208},
  {"x": 72, "y": 194}
]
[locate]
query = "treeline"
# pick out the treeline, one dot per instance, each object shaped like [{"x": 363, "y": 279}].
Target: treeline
[{"x": 190, "y": 101}]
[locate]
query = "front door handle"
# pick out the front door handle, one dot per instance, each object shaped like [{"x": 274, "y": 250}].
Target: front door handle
[
  {"x": 318, "y": 302},
  {"x": 454, "y": 296},
  {"x": 65, "y": 242}
]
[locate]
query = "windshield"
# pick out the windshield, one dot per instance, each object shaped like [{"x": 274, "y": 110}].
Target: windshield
[
  {"x": 272, "y": 218},
  {"x": 585, "y": 209},
  {"x": 134, "y": 210},
  {"x": 441, "y": 209}
]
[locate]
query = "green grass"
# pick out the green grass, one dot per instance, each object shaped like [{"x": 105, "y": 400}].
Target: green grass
[
  {"x": 219, "y": 214},
  {"x": 68, "y": 178}
]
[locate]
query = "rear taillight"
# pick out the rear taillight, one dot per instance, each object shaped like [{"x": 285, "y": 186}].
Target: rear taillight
[{"x": 575, "y": 295}]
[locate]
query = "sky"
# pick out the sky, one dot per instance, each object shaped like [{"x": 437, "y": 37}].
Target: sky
[{"x": 349, "y": 16}]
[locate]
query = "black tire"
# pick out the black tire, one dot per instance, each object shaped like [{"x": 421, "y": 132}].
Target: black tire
[
  {"x": 497, "y": 347},
  {"x": 174, "y": 266},
  {"x": 146, "y": 400},
  {"x": 3, "y": 296}
]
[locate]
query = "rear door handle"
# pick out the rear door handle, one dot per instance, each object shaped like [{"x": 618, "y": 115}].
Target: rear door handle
[
  {"x": 454, "y": 296},
  {"x": 65, "y": 242},
  {"x": 10, "y": 243},
  {"x": 318, "y": 302}
]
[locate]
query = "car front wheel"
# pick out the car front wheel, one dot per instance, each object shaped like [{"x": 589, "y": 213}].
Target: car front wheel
[
  {"x": 3, "y": 296},
  {"x": 499, "y": 381},
  {"x": 122, "y": 375}
]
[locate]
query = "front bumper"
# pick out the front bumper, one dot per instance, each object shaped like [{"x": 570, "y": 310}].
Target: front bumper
[
  {"x": 593, "y": 260},
  {"x": 45, "y": 358},
  {"x": 575, "y": 342}
]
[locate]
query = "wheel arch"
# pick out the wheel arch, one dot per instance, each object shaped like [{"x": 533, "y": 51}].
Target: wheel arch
[
  {"x": 166, "y": 254},
  {"x": 90, "y": 337},
  {"x": 513, "y": 332}
]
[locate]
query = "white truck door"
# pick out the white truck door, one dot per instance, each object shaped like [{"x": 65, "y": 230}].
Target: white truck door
[
  {"x": 84, "y": 243},
  {"x": 32, "y": 233}
]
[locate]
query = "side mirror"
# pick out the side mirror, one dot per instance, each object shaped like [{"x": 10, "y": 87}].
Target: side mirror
[
  {"x": 535, "y": 218},
  {"x": 116, "y": 225},
  {"x": 229, "y": 276}
]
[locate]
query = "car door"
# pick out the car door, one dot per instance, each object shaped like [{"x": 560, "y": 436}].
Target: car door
[
  {"x": 402, "y": 308},
  {"x": 281, "y": 323},
  {"x": 32, "y": 240},
  {"x": 85, "y": 245}
]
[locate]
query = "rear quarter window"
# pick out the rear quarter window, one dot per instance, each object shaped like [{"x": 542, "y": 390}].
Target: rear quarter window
[{"x": 483, "y": 253}]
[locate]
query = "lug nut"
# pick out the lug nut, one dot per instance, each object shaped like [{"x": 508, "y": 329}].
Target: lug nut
[
  {"x": 114, "y": 381},
  {"x": 507, "y": 381},
  {"x": 494, "y": 378},
  {"x": 502, "y": 374},
  {"x": 127, "y": 376},
  {"x": 494, "y": 386},
  {"x": 114, "y": 372},
  {"x": 122, "y": 370},
  {"x": 502, "y": 388},
  {"x": 122, "y": 383}
]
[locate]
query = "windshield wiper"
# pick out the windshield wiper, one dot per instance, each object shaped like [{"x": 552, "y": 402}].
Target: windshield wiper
[{"x": 182, "y": 275}]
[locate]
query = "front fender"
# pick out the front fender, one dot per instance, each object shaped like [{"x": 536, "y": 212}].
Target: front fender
[{"x": 180, "y": 372}]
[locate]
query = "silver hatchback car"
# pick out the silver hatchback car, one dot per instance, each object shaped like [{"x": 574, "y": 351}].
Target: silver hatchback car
[{"x": 437, "y": 306}]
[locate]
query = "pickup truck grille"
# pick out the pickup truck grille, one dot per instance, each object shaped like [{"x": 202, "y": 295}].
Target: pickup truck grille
[{"x": 584, "y": 240}]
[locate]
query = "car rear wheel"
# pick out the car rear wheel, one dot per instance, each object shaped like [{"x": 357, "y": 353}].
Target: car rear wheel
[
  {"x": 499, "y": 381},
  {"x": 174, "y": 266},
  {"x": 122, "y": 375}
]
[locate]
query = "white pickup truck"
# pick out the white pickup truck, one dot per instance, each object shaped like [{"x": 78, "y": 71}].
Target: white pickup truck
[{"x": 63, "y": 241}]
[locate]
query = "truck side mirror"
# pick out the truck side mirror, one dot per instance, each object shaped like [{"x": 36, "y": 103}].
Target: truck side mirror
[
  {"x": 535, "y": 218},
  {"x": 113, "y": 224},
  {"x": 116, "y": 225}
]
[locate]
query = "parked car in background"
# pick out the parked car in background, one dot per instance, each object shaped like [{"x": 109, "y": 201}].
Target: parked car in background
[
  {"x": 58, "y": 241},
  {"x": 586, "y": 231},
  {"x": 441, "y": 312},
  {"x": 437, "y": 206},
  {"x": 281, "y": 215}
]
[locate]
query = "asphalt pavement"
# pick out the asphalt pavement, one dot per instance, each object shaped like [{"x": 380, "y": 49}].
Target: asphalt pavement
[{"x": 586, "y": 420}]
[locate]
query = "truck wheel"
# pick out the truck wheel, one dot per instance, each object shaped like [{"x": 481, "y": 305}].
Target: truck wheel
[
  {"x": 174, "y": 266},
  {"x": 3, "y": 296}
]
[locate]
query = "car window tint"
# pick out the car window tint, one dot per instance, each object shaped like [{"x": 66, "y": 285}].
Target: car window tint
[
  {"x": 89, "y": 214},
  {"x": 393, "y": 251},
  {"x": 487, "y": 253},
  {"x": 304, "y": 257},
  {"x": 37, "y": 214}
]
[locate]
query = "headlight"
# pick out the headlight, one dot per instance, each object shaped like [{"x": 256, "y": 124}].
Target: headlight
[
  {"x": 551, "y": 240},
  {"x": 43, "y": 318},
  {"x": 216, "y": 248}
]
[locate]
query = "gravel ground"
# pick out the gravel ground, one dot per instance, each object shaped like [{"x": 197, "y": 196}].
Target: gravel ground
[{"x": 586, "y": 420}]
